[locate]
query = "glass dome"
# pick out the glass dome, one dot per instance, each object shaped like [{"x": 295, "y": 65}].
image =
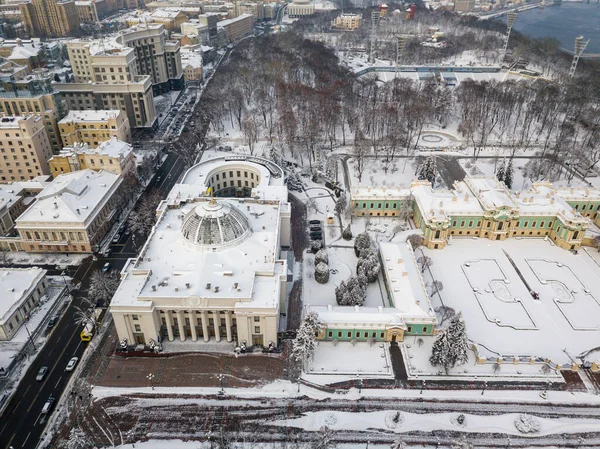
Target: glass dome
[{"x": 215, "y": 224}]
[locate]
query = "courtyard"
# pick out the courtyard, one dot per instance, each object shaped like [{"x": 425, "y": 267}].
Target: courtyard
[{"x": 491, "y": 283}]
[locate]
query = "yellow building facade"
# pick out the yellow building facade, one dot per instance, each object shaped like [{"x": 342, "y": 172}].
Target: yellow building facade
[{"x": 94, "y": 127}]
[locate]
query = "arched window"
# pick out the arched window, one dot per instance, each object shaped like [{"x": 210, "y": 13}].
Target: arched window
[
  {"x": 37, "y": 235},
  {"x": 28, "y": 235},
  {"x": 80, "y": 236}
]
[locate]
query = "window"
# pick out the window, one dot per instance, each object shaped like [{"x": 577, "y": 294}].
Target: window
[
  {"x": 256, "y": 319},
  {"x": 381, "y": 335},
  {"x": 409, "y": 329},
  {"x": 329, "y": 334},
  {"x": 349, "y": 334},
  {"x": 134, "y": 317},
  {"x": 424, "y": 329},
  {"x": 358, "y": 335},
  {"x": 256, "y": 330},
  {"x": 138, "y": 328},
  {"x": 340, "y": 334}
]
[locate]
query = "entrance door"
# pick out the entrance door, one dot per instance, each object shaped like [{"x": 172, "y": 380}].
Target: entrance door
[
  {"x": 139, "y": 338},
  {"x": 394, "y": 338},
  {"x": 257, "y": 340}
]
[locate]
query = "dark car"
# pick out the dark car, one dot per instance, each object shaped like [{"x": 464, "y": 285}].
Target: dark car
[
  {"x": 314, "y": 222},
  {"x": 52, "y": 322},
  {"x": 315, "y": 229},
  {"x": 316, "y": 236}
]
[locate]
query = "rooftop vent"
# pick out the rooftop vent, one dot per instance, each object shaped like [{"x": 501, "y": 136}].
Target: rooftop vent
[
  {"x": 154, "y": 288},
  {"x": 55, "y": 205},
  {"x": 208, "y": 286},
  {"x": 216, "y": 289},
  {"x": 187, "y": 285},
  {"x": 78, "y": 212}
]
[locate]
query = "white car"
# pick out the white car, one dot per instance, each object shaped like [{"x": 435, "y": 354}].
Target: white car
[{"x": 71, "y": 364}]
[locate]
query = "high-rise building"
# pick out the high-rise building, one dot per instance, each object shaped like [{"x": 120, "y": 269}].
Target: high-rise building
[
  {"x": 156, "y": 56},
  {"x": 50, "y": 18},
  {"x": 24, "y": 148},
  {"x": 23, "y": 92},
  {"x": 94, "y": 127},
  {"x": 107, "y": 77}
]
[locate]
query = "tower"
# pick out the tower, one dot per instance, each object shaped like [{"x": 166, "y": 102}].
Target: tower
[
  {"x": 510, "y": 20},
  {"x": 579, "y": 49}
]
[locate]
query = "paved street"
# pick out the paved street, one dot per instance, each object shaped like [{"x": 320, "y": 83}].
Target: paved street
[{"x": 22, "y": 423}]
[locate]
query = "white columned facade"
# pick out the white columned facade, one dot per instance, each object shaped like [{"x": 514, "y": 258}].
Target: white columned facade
[
  {"x": 180, "y": 322},
  {"x": 169, "y": 325},
  {"x": 205, "y": 325},
  {"x": 193, "y": 321},
  {"x": 217, "y": 323},
  {"x": 228, "y": 325}
]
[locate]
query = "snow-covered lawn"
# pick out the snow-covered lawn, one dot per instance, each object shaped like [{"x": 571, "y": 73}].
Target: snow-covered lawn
[
  {"x": 416, "y": 359},
  {"x": 501, "y": 315},
  {"x": 413, "y": 422},
  {"x": 28, "y": 259},
  {"x": 360, "y": 359},
  {"x": 401, "y": 172}
]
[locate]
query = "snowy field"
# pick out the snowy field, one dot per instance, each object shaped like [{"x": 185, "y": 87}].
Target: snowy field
[
  {"x": 500, "y": 313},
  {"x": 366, "y": 360}
]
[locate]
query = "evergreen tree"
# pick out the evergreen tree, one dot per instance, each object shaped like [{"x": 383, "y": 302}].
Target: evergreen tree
[
  {"x": 500, "y": 171},
  {"x": 508, "y": 174},
  {"x": 352, "y": 292},
  {"x": 362, "y": 242},
  {"x": 428, "y": 170},
  {"x": 368, "y": 265},
  {"x": 451, "y": 346},
  {"x": 303, "y": 346},
  {"x": 347, "y": 233},
  {"x": 321, "y": 256},
  {"x": 322, "y": 273}
]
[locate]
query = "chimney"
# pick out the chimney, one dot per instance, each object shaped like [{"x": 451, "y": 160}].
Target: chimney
[
  {"x": 235, "y": 285},
  {"x": 208, "y": 285},
  {"x": 187, "y": 285},
  {"x": 154, "y": 288},
  {"x": 216, "y": 289},
  {"x": 55, "y": 205},
  {"x": 78, "y": 213}
]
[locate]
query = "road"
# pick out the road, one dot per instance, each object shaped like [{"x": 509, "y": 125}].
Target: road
[{"x": 22, "y": 423}]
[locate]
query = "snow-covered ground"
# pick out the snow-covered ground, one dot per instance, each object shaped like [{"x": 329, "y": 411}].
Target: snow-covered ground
[
  {"x": 409, "y": 422},
  {"x": 500, "y": 313},
  {"x": 365, "y": 360}
]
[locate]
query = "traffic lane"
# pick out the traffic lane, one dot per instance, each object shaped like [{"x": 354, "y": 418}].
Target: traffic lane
[{"x": 21, "y": 429}]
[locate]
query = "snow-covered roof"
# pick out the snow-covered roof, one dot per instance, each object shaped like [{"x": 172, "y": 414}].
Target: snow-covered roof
[
  {"x": 24, "y": 52},
  {"x": 226, "y": 22},
  {"x": 405, "y": 284},
  {"x": 9, "y": 195},
  {"x": 15, "y": 286},
  {"x": 112, "y": 148},
  {"x": 192, "y": 58},
  {"x": 71, "y": 198},
  {"x": 90, "y": 116},
  {"x": 12, "y": 122},
  {"x": 541, "y": 199},
  {"x": 342, "y": 317},
  {"x": 363, "y": 193},
  {"x": 578, "y": 194},
  {"x": 167, "y": 13},
  {"x": 442, "y": 204},
  {"x": 492, "y": 193}
]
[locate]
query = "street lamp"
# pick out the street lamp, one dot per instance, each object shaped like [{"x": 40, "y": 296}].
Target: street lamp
[
  {"x": 359, "y": 382},
  {"x": 220, "y": 377},
  {"x": 65, "y": 281},
  {"x": 150, "y": 377},
  {"x": 28, "y": 333},
  {"x": 484, "y": 385}
]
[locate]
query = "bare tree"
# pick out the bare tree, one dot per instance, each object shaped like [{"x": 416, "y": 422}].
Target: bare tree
[
  {"x": 415, "y": 240},
  {"x": 425, "y": 262},
  {"x": 102, "y": 287},
  {"x": 142, "y": 220}
]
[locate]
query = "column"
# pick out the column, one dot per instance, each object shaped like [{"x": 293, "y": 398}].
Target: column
[
  {"x": 228, "y": 325},
  {"x": 217, "y": 321},
  {"x": 193, "y": 322},
  {"x": 180, "y": 322},
  {"x": 205, "y": 325},
  {"x": 169, "y": 326}
]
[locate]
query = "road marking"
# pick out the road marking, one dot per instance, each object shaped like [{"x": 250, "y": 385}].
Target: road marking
[
  {"x": 3, "y": 427},
  {"x": 27, "y": 390},
  {"x": 36, "y": 419},
  {"x": 59, "y": 379},
  {"x": 28, "y": 435}
]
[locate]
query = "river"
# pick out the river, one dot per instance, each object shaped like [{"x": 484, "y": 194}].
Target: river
[{"x": 563, "y": 22}]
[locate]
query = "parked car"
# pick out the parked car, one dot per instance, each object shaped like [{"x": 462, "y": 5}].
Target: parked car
[
  {"x": 107, "y": 252},
  {"x": 52, "y": 322},
  {"x": 116, "y": 238},
  {"x": 315, "y": 228},
  {"x": 158, "y": 178},
  {"x": 71, "y": 364},
  {"x": 41, "y": 373},
  {"x": 106, "y": 267},
  {"x": 314, "y": 222},
  {"x": 316, "y": 236},
  {"x": 48, "y": 405}
]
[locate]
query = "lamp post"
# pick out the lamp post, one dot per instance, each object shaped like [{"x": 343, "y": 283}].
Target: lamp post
[
  {"x": 484, "y": 385},
  {"x": 150, "y": 377},
  {"x": 423, "y": 385},
  {"x": 65, "y": 281},
  {"x": 28, "y": 333},
  {"x": 359, "y": 382},
  {"x": 220, "y": 377}
]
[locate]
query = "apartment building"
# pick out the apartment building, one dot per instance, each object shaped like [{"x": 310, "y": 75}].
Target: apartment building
[
  {"x": 24, "y": 148},
  {"x": 22, "y": 289},
  {"x": 170, "y": 18},
  {"x": 113, "y": 155},
  {"x": 192, "y": 66},
  {"x": 107, "y": 78},
  {"x": 23, "y": 93},
  {"x": 72, "y": 214},
  {"x": 50, "y": 18},
  {"x": 94, "y": 127},
  {"x": 238, "y": 28},
  {"x": 91, "y": 11},
  {"x": 155, "y": 55}
]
